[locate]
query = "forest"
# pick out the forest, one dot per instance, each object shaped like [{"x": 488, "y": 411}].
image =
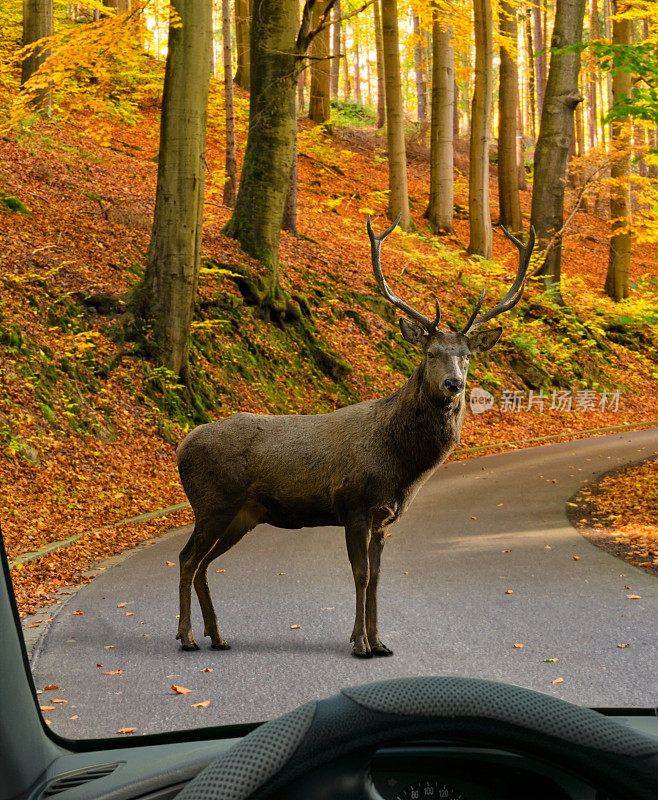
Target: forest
[{"x": 183, "y": 198}]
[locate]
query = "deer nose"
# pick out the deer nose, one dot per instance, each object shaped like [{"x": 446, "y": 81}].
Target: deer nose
[{"x": 453, "y": 385}]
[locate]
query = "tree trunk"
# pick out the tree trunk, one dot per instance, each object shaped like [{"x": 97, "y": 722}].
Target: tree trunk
[
  {"x": 168, "y": 291},
  {"x": 521, "y": 180},
  {"x": 479, "y": 215},
  {"x": 540, "y": 58},
  {"x": 37, "y": 23},
  {"x": 508, "y": 103},
  {"x": 441, "y": 205},
  {"x": 532, "y": 108},
  {"x": 289, "y": 221},
  {"x": 419, "y": 66},
  {"x": 455, "y": 108},
  {"x": 381, "y": 81},
  {"x": 231, "y": 167},
  {"x": 265, "y": 178},
  {"x": 619, "y": 257},
  {"x": 397, "y": 157},
  {"x": 592, "y": 129},
  {"x": 357, "y": 66},
  {"x": 335, "y": 51},
  {"x": 555, "y": 133},
  {"x": 242, "y": 44},
  {"x": 319, "y": 109},
  {"x": 347, "y": 81}
]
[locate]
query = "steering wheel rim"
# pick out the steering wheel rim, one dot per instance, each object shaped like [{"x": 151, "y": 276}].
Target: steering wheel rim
[{"x": 617, "y": 759}]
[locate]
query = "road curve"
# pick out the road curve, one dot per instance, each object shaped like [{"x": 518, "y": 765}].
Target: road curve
[{"x": 478, "y": 529}]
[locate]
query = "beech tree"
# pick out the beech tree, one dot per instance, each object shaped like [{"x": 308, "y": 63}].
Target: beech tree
[
  {"x": 230, "y": 162},
  {"x": 481, "y": 241},
  {"x": 441, "y": 202},
  {"x": 398, "y": 202},
  {"x": 279, "y": 43},
  {"x": 419, "y": 67},
  {"x": 37, "y": 23},
  {"x": 379, "y": 52},
  {"x": 319, "y": 109},
  {"x": 334, "y": 68},
  {"x": 552, "y": 150},
  {"x": 619, "y": 258},
  {"x": 508, "y": 101},
  {"x": 166, "y": 297},
  {"x": 242, "y": 42}
]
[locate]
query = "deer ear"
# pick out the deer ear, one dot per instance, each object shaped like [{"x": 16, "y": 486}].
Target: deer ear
[
  {"x": 412, "y": 331},
  {"x": 484, "y": 340}
]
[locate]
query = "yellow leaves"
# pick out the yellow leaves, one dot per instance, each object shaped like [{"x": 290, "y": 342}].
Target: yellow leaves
[
  {"x": 558, "y": 680},
  {"x": 114, "y": 672},
  {"x": 634, "y": 597},
  {"x": 518, "y": 646},
  {"x": 295, "y": 627},
  {"x": 203, "y": 704}
]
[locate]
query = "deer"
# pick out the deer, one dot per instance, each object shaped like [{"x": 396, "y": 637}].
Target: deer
[{"x": 358, "y": 467}]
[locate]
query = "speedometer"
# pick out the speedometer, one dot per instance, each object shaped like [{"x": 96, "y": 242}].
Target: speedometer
[{"x": 430, "y": 789}]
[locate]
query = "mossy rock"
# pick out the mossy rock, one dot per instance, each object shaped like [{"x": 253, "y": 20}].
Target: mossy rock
[{"x": 531, "y": 374}]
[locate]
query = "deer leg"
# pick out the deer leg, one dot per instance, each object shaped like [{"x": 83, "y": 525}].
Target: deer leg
[
  {"x": 199, "y": 544},
  {"x": 374, "y": 557},
  {"x": 357, "y": 536},
  {"x": 239, "y": 526}
]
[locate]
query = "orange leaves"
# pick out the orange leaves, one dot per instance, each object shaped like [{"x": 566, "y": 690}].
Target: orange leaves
[
  {"x": 204, "y": 704},
  {"x": 558, "y": 680},
  {"x": 114, "y": 672},
  {"x": 179, "y": 689},
  {"x": 51, "y": 687},
  {"x": 125, "y": 731}
]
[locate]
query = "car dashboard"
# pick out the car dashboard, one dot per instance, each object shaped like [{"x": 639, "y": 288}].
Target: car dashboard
[{"x": 409, "y": 770}]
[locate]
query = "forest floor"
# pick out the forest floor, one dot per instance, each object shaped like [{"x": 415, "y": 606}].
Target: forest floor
[
  {"x": 88, "y": 426},
  {"x": 619, "y": 512}
]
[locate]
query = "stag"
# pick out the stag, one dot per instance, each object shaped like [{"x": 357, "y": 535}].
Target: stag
[{"x": 358, "y": 467}]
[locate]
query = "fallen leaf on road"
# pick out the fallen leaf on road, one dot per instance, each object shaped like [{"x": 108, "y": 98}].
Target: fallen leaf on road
[
  {"x": 558, "y": 680},
  {"x": 59, "y": 700},
  {"x": 121, "y": 605},
  {"x": 405, "y": 573},
  {"x": 48, "y": 722},
  {"x": 126, "y": 730},
  {"x": 388, "y": 535},
  {"x": 179, "y": 689},
  {"x": 634, "y": 596},
  {"x": 75, "y": 716},
  {"x": 130, "y": 613},
  {"x": 205, "y": 704},
  {"x": 295, "y": 627},
  {"x": 109, "y": 646},
  {"x": 518, "y": 646},
  {"x": 47, "y": 708},
  {"x": 34, "y": 625},
  {"x": 78, "y": 613},
  {"x": 627, "y": 587},
  {"x": 509, "y": 591},
  {"x": 506, "y": 551},
  {"x": 50, "y": 687},
  {"x": 282, "y": 573},
  {"x": 576, "y": 558},
  {"x": 100, "y": 666},
  {"x": 473, "y": 517},
  {"x": 220, "y": 570},
  {"x": 207, "y": 669},
  {"x": 549, "y": 660},
  {"x": 624, "y": 644},
  {"x": 113, "y": 672},
  {"x": 499, "y": 505},
  {"x": 328, "y": 608},
  {"x": 170, "y": 563}
]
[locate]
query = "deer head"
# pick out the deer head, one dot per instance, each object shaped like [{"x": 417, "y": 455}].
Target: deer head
[{"x": 446, "y": 354}]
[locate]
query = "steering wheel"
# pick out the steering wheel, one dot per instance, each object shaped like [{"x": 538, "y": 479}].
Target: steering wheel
[{"x": 287, "y": 752}]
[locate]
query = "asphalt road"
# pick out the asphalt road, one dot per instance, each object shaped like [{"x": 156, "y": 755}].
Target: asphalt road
[{"x": 477, "y": 529}]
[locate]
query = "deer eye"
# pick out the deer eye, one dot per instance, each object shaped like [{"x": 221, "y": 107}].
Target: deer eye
[{"x": 430, "y": 354}]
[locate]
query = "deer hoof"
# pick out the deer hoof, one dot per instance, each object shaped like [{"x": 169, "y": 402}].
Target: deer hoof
[
  {"x": 381, "y": 650},
  {"x": 190, "y": 646},
  {"x": 220, "y": 646}
]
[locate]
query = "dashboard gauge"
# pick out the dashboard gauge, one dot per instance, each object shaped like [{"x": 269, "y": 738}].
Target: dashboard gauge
[{"x": 434, "y": 789}]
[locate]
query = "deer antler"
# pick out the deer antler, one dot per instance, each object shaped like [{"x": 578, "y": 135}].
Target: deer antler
[
  {"x": 515, "y": 291},
  {"x": 375, "y": 247}
]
